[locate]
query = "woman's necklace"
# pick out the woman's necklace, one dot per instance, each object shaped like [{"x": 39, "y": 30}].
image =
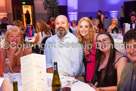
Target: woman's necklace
[{"x": 18, "y": 51}]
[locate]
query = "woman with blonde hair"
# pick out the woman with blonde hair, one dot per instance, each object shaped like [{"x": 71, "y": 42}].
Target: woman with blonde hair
[
  {"x": 43, "y": 30},
  {"x": 114, "y": 26},
  {"x": 14, "y": 49},
  {"x": 86, "y": 35}
]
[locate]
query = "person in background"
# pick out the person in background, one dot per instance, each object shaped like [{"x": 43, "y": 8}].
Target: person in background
[
  {"x": 27, "y": 17},
  {"x": 133, "y": 21},
  {"x": 87, "y": 36},
  {"x": 128, "y": 76},
  {"x": 121, "y": 16},
  {"x": 100, "y": 17},
  {"x": 3, "y": 25},
  {"x": 114, "y": 28},
  {"x": 52, "y": 23},
  {"x": 14, "y": 49},
  {"x": 90, "y": 17},
  {"x": 132, "y": 12},
  {"x": 109, "y": 64},
  {"x": 131, "y": 25},
  {"x": 95, "y": 22},
  {"x": 43, "y": 30},
  {"x": 21, "y": 26},
  {"x": 58, "y": 49},
  {"x": 73, "y": 27}
]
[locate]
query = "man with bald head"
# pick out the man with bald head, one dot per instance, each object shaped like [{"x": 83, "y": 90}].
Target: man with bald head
[{"x": 64, "y": 49}]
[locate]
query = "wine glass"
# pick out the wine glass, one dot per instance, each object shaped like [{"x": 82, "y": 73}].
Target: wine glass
[
  {"x": 8, "y": 72},
  {"x": 70, "y": 81}
]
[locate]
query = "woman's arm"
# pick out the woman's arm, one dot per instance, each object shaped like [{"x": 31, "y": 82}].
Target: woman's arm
[
  {"x": 109, "y": 29},
  {"x": 102, "y": 19},
  {"x": 111, "y": 88},
  {"x": 28, "y": 51},
  {"x": 36, "y": 39},
  {"x": 10, "y": 56},
  {"x": 120, "y": 66},
  {"x": 96, "y": 28}
]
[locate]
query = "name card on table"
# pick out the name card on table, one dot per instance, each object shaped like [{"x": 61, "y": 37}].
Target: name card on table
[{"x": 33, "y": 72}]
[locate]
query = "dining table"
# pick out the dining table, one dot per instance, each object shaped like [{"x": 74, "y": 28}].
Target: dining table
[
  {"x": 75, "y": 84},
  {"x": 30, "y": 39}
]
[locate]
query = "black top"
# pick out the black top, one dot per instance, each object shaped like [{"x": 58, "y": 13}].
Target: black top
[
  {"x": 27, "y": 16},
  {"x": 115, "y": 30},
  {"x": 110, "y": 78},
  {"x": 100, "y": 21},
  {"x": 108, "y": 74}
]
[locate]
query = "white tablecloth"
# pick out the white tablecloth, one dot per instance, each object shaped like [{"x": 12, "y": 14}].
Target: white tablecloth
[
  {"x": 29, "y": 39},
  {"x": 76, "y": 86},
  {"x": 1, "y": 81}
]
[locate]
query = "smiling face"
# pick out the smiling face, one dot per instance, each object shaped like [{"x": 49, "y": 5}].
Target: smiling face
[
  {"x": 104, "y": 43},
  {"x": 84, "y": 28},
  {"x": 131, "y": 50},
  {"x": 14, "y": 37},
  {"x": 61, "y": 25}
]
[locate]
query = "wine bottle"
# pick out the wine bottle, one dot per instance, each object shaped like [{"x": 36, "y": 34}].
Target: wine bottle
[
  {"x": 56, "y": 84},
  {"x": 15, "y": 86}
]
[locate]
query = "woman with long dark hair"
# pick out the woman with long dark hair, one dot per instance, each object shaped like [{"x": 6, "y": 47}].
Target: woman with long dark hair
[{"x": 109, "y": 63}]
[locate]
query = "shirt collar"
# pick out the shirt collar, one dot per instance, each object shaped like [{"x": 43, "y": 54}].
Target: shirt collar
[{"x": 65, "y": 37}]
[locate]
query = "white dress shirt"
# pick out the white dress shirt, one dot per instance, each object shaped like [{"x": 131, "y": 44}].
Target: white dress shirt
[{"x": 67, "y": 52}]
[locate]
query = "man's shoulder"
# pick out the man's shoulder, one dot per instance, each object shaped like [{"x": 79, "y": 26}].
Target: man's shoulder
[
  {"x": 73, "y": 37},
  {"x": 52, "y": 38}
]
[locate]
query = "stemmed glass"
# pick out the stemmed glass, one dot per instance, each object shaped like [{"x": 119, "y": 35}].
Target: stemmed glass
[
  {"x": 8, "y": 72},
  {"x": 70, "y": 81}
]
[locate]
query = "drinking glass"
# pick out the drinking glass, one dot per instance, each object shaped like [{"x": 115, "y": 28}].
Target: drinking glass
[
  {"x": 70, "y": 81},
  {"x": 8, "y": 72}
]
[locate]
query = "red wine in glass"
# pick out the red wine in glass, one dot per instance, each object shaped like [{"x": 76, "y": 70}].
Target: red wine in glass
[{"x": 66, "y": 89}]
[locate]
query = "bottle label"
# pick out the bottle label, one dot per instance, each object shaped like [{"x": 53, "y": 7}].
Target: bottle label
[{"x": 56, "y": 88}]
